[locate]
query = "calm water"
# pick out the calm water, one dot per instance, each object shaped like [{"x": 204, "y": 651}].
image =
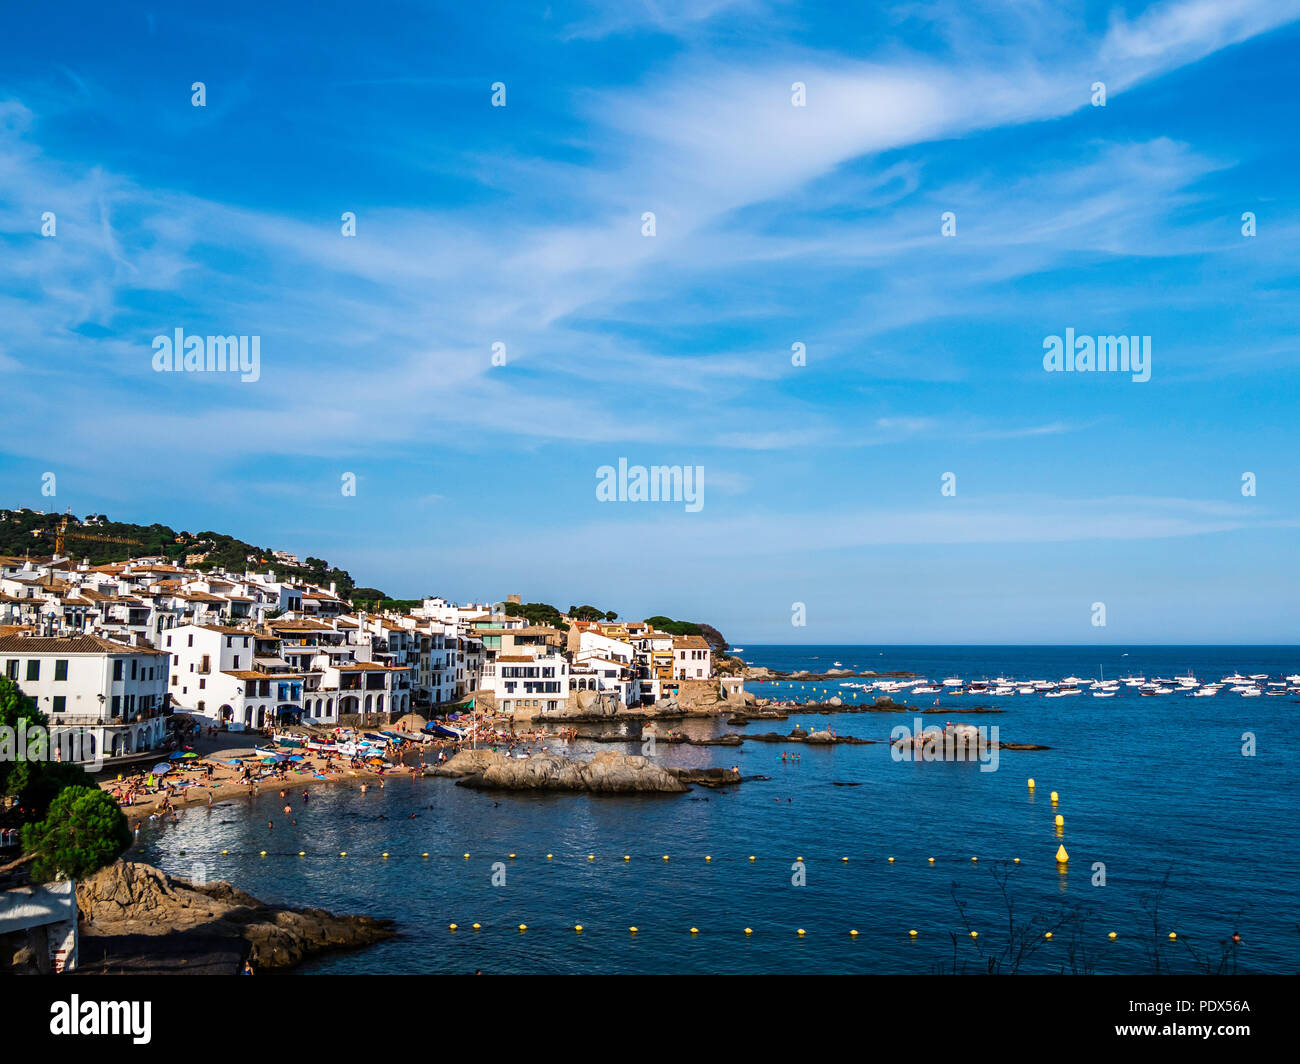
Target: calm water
[{"x": 1151, "y": 787}]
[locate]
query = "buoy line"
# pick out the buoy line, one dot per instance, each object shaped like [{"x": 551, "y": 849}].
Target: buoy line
[
  {"x": 693, "y": 931},
  {"x": 855, "y": 861}
]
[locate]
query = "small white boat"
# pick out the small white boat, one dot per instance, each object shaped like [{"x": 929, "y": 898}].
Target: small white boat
[
  {"x": 1251, "y": 692},
  {"x": 1103, "y": 694}
]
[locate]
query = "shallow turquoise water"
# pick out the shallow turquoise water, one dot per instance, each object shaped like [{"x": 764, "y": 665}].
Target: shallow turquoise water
[{"x": 1151, "y": 787}]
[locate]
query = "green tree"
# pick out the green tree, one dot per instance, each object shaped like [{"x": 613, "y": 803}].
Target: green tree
[
  {"x": 14, "y": 707},
  {"x": 83, "y": 831},
  {"x": 38, "y": 783}
]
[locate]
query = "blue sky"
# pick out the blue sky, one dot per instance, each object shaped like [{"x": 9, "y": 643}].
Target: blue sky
[{"x": 775, "y": 224}]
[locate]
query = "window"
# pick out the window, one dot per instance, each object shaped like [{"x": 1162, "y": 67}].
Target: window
[
  {"x": 134, "y": 665},
  {"x": 191, "y": 641},
  {"x": 34, "y": 669},
  {"x": 117, "y": 705},
  {"x": 11, "y": 669},
  {"x": 236, "y": 661},
  {"x": 61, "y": 669},
  {"x": 60, "y": 703},
  {"x": 117, "y": 668}
]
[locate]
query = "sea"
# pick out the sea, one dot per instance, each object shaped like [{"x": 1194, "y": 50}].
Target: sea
[{"x": 1178, "y": 823}]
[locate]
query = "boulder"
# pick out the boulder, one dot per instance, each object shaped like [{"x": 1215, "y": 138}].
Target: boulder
[
  {"x": 606, "y": 773},
  {"x": 127, "y": 904}
]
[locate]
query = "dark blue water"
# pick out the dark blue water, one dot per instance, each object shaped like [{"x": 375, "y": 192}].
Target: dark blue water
[{"x": 1156, "y": 789}]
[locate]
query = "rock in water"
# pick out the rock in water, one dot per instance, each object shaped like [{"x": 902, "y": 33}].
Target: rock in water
[{"x": 606, "y": 773}]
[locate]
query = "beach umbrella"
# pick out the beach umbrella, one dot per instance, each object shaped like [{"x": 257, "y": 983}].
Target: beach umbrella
[
  {"x": 159, "y": 770},
  {"x": 188, "y": 756},
  {"x": 174, "y": 757}
]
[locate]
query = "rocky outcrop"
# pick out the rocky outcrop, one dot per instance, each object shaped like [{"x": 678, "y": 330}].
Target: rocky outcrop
[
  {"x": 135, "y": 917},
  {"x": 604, "y": 774},
  {"x": 708, "y": 777},
  {"x": 817, "y": 738}
]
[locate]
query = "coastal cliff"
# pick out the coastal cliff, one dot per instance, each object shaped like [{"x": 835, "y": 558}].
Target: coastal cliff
[{"x": 135, "y": 918}]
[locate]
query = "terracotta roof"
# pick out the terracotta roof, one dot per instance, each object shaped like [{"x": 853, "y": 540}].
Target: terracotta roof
[{"x": 75, "y": 644}]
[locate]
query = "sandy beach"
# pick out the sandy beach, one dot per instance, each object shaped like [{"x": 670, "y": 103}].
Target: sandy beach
[
  {"x": 186, "y": 788},
  {"x": 193, "y": 787}
]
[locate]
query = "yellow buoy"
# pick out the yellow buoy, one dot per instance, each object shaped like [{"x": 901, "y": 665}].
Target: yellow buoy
[
  {"x": 695, "y": 930},
  {"x": 845, "y": 860},
  {"x": 578, "y": 928},
  {"x": 1031, "y": 783},
  {"x": 512, "y": 857},
  {"x": 891, "y": 860},
  {"x": 1061, "y": 856},
  {"x": 424, "y": 855},
  {"x": 549, "y": 856},
  {"x": 1112, "y": 936},
  {"x": 1047, "y": 935},
  {"x": 627, "y": 857},
  {"x": 911, "y": 934},
  {"x": 751, "y": 857},
  {"x": 932, "y": 860},
  {"x": 591, "y": 857},
  {"x": 467, "y": 857},
  {"x": 853, "y": 934},
  {"x": 632, "y": 929},
  {"x": 451, "y": 927},
  {"x": 224, "y": 852},
  {"x": 1173, "y": 934},
  {"x": 1015, "y": 860},
  {"x": 1055, "y": 798},
  {"x": 800, "y": 932},
  {"x": 476, "y": 926},
  {"x": 263, "y": 853},
  {"x": 974, "y": 858},
  {"x": 749, "y": 930},
  {"x": 1060, "y": 821},
  {"x": 665, "y": 857},
  {"x": 707, "y": 857},
  {"x": 302, "y": 853},
  {"x": 800, "y": 858},
  {"x": 523, "y": 927},
  {"x": 384, "y": 856},
  {"x": 974, "y": 934},
  {"x": 343, "y": 853}
]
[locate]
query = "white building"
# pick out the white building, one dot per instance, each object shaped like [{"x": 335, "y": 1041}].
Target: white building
[
  {"x": 692, "y": 658},
  {"x": 103, "y": 699},
  {"x": 528, "y": 683}
]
